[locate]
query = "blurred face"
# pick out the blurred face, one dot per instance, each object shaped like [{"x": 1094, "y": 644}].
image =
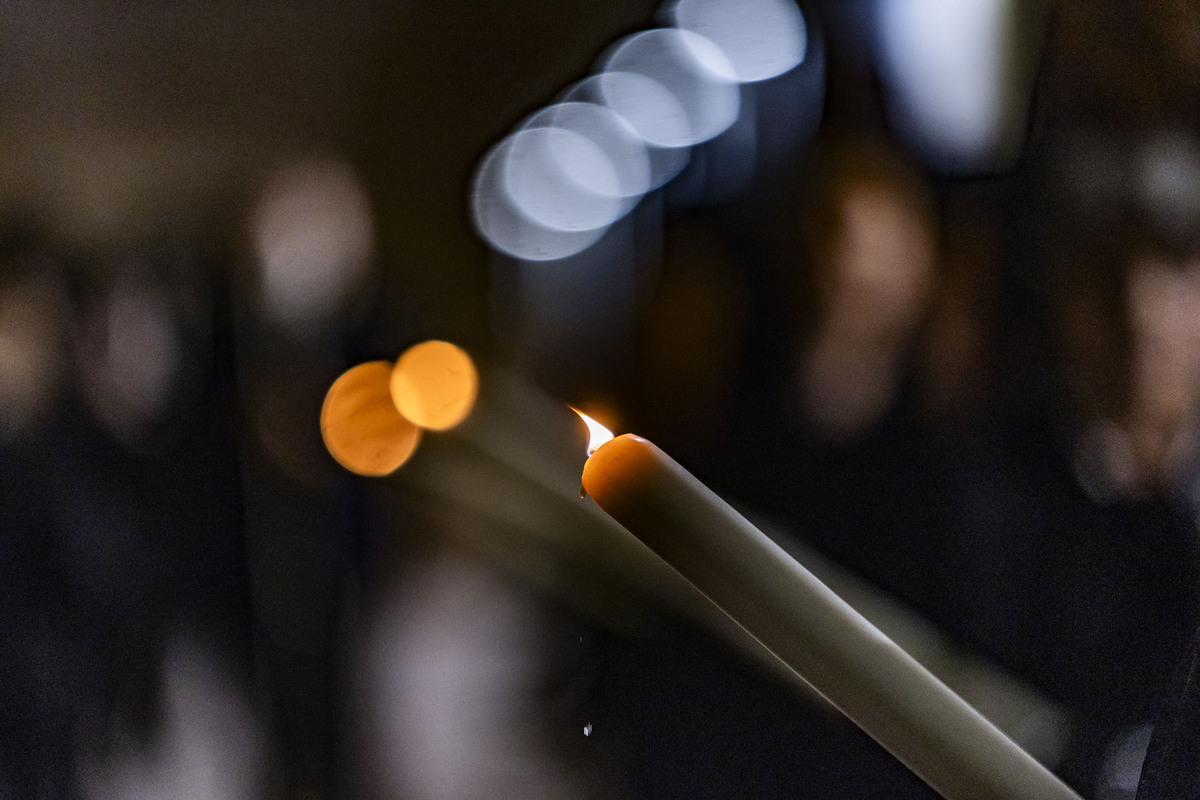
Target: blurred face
[
  {"x": 1164, "y": 310},
  {"x": 881, "y": 263}
]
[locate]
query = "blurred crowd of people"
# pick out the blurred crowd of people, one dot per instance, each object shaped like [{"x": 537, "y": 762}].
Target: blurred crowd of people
[{"x": 981, "y": 394}]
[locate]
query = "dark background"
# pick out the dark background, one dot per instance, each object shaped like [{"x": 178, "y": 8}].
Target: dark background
[{"x": 205, "y": 549}]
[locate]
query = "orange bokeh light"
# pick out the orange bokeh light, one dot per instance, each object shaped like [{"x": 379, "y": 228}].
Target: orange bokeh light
[
  {"x": 434, "y": 385},
  {"x": 360, "y": 425}
]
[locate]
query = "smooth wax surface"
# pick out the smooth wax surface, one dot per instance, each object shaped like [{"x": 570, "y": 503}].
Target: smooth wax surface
[{"x": 808, "y": 627}]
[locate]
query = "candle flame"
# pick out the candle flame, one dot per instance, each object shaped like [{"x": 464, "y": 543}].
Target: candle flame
[{"x": 599, "y": 433}]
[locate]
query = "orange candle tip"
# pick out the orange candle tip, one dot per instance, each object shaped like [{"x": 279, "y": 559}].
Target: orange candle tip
[{"x": 620, "y": 469}]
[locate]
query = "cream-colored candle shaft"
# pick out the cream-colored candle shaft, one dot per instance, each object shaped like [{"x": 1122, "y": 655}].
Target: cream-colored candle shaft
[{"x": 839, "y": 653}]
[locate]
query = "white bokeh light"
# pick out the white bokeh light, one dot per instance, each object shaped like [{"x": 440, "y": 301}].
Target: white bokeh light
[
  {"x": 549, "y": 174},
  {"x": 570, "y": 171},
  {"x": 944, "y": 60},
  {"x": 664, "y": 161},
  {"x": 648, "y": 107},
  {"x": 672, "y": 86},
  {"x": 207, "y": 746},
  {"x": 760, "y": 39},
  {"x": 507, "y": 229},
  {"x": 625, "y": 151},
  {"x": 313, "y": 234}
]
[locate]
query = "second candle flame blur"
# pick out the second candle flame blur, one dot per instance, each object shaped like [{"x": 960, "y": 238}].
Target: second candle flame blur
[{"x": 599, "y": 433}]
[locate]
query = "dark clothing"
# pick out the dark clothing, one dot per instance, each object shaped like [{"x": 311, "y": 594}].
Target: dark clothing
[{"x": 989, "y": 534}]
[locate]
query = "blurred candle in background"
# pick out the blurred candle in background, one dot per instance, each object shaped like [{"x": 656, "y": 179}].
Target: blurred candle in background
[{"x": 360, "y": 424}]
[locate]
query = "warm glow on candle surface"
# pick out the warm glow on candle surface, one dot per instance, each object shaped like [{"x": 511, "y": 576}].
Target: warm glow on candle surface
[
  {"x": 360, "y": 425},
  {"x": 434, "y": 384},
  {"x": 599, "y": 433},
  {"x": 809, "y": 628}
]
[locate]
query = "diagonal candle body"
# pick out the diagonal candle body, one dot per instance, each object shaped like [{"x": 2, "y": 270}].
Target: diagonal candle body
[{"x": 839, "y": 653}]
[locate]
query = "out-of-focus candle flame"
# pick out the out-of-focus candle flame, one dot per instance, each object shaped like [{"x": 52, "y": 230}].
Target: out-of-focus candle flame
[{"x": 600, "y": 434}]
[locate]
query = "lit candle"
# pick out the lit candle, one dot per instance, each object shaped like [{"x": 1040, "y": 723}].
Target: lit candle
[{"x": 810, "y": 629}]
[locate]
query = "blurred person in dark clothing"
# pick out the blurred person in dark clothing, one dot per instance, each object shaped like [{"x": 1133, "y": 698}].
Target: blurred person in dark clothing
[
  {"x": 125, "y": 605},
  {"x": 1073, "y": 513},
  {"x": 693, "y": 721},
  {"x": 1052, "y": 526},
  {"x": 1124, "y": 273},
  {"x": 830, "y": 406}
]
